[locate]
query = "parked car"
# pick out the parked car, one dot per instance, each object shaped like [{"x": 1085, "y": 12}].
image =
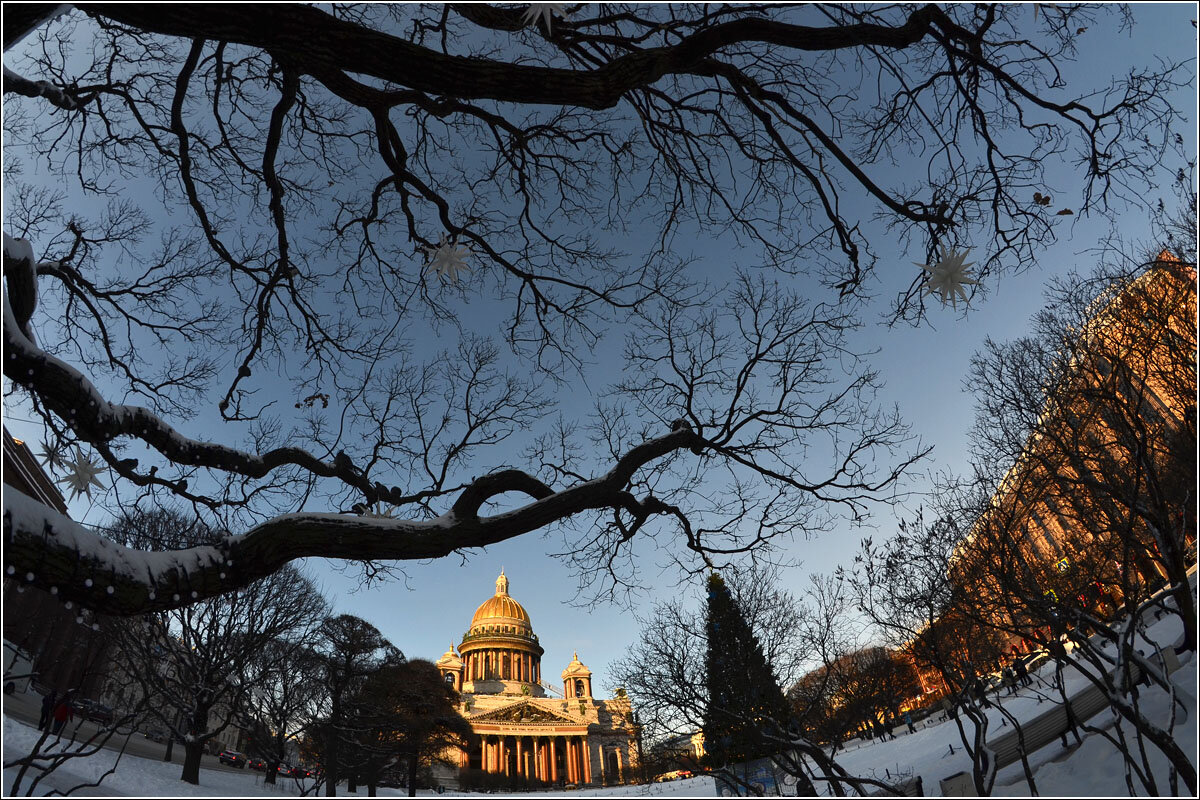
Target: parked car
[
  {"x": 258, "y": 764},
  {"x": 90, "y": 709},
  {"x": 233, "y": 758},
  {"x": 156, "y": 734},
  {"x": 18, "y": 669},
  {"x": 1034, "y": 662}
]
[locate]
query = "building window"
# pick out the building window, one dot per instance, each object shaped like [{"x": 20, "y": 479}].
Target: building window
[{"x": 579, "y": 687}]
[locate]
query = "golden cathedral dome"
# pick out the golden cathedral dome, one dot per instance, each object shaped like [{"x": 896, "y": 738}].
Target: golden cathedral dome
[{"x": 501, "y": 611}]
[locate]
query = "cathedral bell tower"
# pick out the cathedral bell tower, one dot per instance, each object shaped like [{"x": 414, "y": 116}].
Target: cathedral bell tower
[
  {"x": 577, "y": 680},
  {"x": 451, "y": 668}
]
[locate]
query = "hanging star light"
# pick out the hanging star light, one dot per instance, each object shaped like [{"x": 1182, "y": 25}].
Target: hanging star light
[
  {"x": 448, "y": 258},
  {"x": 81, "y": 475},
  {"x": 52, "y": 456},
  {"x": 545, "y": 12},
  {"x": 948, "y": 276}
]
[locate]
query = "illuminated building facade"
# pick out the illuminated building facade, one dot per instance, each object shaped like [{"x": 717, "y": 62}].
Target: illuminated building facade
[
  {"x": 1101, "y": 502},
  {"x": 517, "y": 728}
]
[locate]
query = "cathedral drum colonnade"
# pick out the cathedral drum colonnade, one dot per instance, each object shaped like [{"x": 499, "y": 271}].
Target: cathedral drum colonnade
[{"x": 517, "y": 728}]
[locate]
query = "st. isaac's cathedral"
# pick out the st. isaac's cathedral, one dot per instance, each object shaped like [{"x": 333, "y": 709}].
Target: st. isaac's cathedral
[{"x": 517, "y": 728}]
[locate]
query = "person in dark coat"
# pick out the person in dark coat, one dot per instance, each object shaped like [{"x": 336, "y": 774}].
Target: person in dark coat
[
  {"x": 1022, "y": 673},
  {"x": 48, "y": 704},
  {"x": 62, "y": 714}
]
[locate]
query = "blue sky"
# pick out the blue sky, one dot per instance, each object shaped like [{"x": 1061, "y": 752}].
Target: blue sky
[{"x": 922, "y": 369}]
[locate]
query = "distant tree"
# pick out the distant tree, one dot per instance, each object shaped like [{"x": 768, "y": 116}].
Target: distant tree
[
  {"x": 285, "y": 680},
  {"x": 830, "y": 633},
  {"x": 745, "y": 702},
  {"x": 862, "y": 686},
  {"x": 351, "y": 651},
  {"x": 891, "y": 679},
  {"x": 407, "y": 717},
  {"x": 192, "y": 663}
]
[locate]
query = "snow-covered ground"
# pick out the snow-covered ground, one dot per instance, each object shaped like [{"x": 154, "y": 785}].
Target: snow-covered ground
[
  {"x": 1092, "y": 769},
  {"x": 143, "y": 777}
]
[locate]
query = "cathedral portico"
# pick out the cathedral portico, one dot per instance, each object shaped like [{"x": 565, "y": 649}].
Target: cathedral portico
[{"x": 518, "y": 729}]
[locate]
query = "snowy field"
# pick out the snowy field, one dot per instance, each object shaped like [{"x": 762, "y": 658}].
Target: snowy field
[{"x": 1092, "y": 769}]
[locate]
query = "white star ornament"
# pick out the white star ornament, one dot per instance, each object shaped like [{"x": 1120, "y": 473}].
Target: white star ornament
[
  {"x": 545, "y": 12},
  {"x": 448, "y": 259},
  {"x": 52, "y": 456},
  {"x": 948, "y": 276},
  {"x": 81, "y": 475}
]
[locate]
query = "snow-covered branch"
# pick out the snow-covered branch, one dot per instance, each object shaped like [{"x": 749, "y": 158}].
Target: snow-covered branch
[
  {"x": 60, "y": 97},
  {"x": 48, "y": 550}
]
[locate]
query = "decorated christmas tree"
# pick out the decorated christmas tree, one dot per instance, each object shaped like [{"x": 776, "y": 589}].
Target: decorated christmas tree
[{"x": 745, "y": 704}]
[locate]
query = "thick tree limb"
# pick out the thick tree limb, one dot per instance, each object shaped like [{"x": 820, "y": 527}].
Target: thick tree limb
[
  {"x": 50, "y": 551},
  {"x": 288, "y": 32}
]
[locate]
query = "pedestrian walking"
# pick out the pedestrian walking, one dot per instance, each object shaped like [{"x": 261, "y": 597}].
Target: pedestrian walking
[
  {"x": 62, "y": 714},
  {"x": 1022, "y": 673},
  {"x": 908, "y": 721},
  {"x": 978, "y": 691},
  {"x": 48, "y": 703}
]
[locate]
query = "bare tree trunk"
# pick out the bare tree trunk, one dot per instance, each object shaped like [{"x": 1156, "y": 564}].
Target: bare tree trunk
[
  {"x": 191, "y": 762},
  {"x": 331, "y": 765}
]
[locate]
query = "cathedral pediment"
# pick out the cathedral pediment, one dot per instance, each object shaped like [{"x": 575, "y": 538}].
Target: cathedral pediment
[{"x": 523, "y": 712}]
